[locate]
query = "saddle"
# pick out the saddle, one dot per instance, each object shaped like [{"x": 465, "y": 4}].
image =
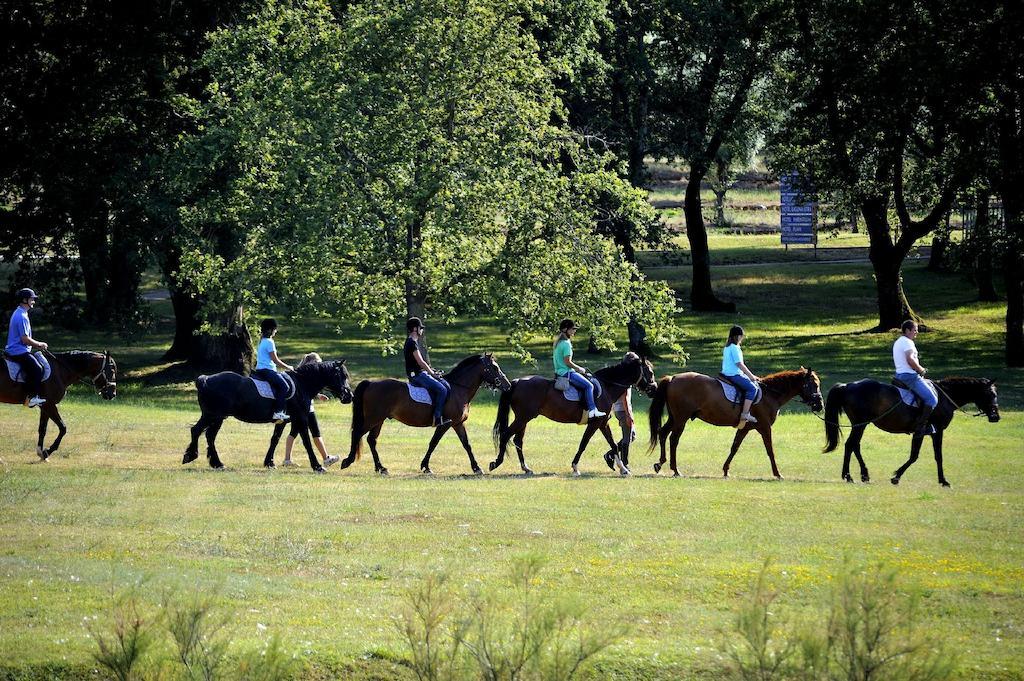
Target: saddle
[
  {"x": 418, "y": 394},
  {"x": 14, "y": 369},
  {"x": 265, "y": 390},
  {"x": 734, "y": 393},
  {"x": 908, "y": 396},
  {"x": 572, "y": 393}
]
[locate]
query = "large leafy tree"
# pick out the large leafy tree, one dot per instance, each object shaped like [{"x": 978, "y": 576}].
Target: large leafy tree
[
  {"x": 885, "y": 118},
  {"x": 396, "y": 159}
]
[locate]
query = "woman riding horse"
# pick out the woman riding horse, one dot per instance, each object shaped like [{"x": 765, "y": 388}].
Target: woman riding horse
[
  {"x": 377, "y": 401},
  {"x": 533, "y": 396},
  {"x": 690, "y": 395}
]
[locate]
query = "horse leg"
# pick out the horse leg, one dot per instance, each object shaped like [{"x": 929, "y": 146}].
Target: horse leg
[
  {"x": 517, "y": 440},
  {"x": 192, "y": 451},
  {"x": 850, "y": 448},
  {"x": 48, "y": 412},
  {"x": 211, "y": 447},
  {"x": 864, "y": 476},
  {"x": 268, "y": 460},
  {"x": 460, "y": 430},
  {"x": 915, "y": 450},
  {"x": 674, "y": 445},
  {"x": 662, "y": 437},
  {"x": 737, "y": 440},
  {"x": 503, "y": 438},
  {"x": 587, "y": 434},
  {"x": 438, "y": 434},
  {"x": 937, "y": 446},
  {"x": 371, "y": 439},
  {"x": 766, "y": 435},
  {"x": 620, "y": 458}
]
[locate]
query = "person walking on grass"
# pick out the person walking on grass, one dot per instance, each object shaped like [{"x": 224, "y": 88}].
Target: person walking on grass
[
  {"x": 20, "y": 345},
  {"x": 421, "y": 374},
  {"x": 267, "y": 363},
  {"x": 734, "y": 368},
  {"x": 314, "y": 426},
  {"x": 910, "y": 372},
  {"x": 564, "y": 366}
]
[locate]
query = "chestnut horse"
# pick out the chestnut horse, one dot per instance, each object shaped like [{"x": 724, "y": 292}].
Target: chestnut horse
[
  {"x": 94, "y": 368},
  {"x": 869, "y": 402},
  {"x": 533, "y": 396},
  {"x": 690, "y": 395},
  {"x": 376, "y": 401}
]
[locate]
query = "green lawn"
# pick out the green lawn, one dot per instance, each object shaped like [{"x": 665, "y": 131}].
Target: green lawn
[{"x": 323, "y": 561}]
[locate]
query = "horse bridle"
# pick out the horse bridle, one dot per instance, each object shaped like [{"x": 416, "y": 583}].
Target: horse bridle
[{"x": 103, "y": 374}]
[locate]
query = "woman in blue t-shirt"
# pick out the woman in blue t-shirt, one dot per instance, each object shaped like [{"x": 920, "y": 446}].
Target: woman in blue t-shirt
[
  {"x": 734, "y": 368},
  {"x": 267, "y": 362}
]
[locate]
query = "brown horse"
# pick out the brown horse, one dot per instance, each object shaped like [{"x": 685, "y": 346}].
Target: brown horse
[
  {"x": 66, "y": 368},
  {"x": 376, "y": 401},
  {"x": 867, "y": 402},
  {"x": 690, "y": 396},
  {"x": 533, "y": 396}
]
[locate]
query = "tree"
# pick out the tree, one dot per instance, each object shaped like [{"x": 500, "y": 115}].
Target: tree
[
  {"x": 885, "y": 118},
  {"x": 397, "y": 159}
]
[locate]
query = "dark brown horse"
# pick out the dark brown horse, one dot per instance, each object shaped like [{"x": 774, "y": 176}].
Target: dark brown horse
[
  {"x": 377, "y": 401},
  {"x": 690, "y": 396},
  {"x": 97, "y": 369},
  {"x": 867, "y": 402},
  {"x": 533, "y": 396}
]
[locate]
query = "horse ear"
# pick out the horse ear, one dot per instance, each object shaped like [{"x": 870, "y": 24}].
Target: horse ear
[{"x": 342, "y": 362}]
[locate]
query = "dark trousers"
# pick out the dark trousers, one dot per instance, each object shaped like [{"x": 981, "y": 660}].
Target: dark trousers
[
  {"x": 438, "y": 389},
  {"x": 277, "y": 384},
  {"x": 30, "y": 371}
]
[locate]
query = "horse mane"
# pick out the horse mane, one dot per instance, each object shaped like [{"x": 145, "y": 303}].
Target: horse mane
[
  {"x": 77, "y": 358},
  {"x": 617, "y": 371},
  {"x": 964, "y": 381},
  {"x": 783, "y": 378},
  {"x": 464, "y": 364}
]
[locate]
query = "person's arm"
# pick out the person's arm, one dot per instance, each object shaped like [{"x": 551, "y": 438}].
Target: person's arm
[
  {"x": 277, "y": 360},
  {"x": 423, "y": 363},
  {"x": 573, "y": 365},
  {"x": 914, "y": 364},
  {"x": 748, "y": 372},
  {"x": 627, "y": 402},
  {"x": 26, "y": 340}
]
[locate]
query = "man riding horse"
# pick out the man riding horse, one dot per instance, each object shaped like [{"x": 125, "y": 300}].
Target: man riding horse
[
  {"x": 910, "y": 373},
  {"x": 20, "y": 344}
]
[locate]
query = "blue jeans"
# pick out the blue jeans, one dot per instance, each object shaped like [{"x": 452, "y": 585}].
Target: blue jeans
[
  {"x": 438, "y": 389},
  {"x": 747, "y": 386},
  {"x": 585, "y": 386},
  {"x": 277, "y": 384},
  {"x": 920, "y": 388}
]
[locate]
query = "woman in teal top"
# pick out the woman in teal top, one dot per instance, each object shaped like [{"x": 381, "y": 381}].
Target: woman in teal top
[
  {"x": 267, "y": 362},
  {"x": 564, "y": 366},
  {"x": 734, "y": 368}
]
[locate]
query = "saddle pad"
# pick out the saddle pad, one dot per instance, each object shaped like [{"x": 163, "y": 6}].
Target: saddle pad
[
  {"x": 733, "y": 395},
  {"x": 264, "y": 389},
  {"x": 14, "y": 369},
  {"x": 910, "y": 399},
  {"x": 572, "y": 393},
  {"x": 418, "y": 394}
]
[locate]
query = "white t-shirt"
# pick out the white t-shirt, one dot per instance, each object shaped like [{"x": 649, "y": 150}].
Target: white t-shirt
[{"x": 899, "y": 355}]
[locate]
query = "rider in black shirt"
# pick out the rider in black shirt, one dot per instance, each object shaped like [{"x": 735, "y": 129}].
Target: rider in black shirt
[{"x": 420, "y": 373}]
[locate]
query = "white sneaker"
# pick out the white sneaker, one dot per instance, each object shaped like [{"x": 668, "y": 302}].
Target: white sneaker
[
  {"x": 331, "y": 460},
  {"x": 280, "y": 416},
  {"x": 288, "y": 463},
  {"x": 748, "y": 418},
  {"x": 35, "y": 401},
  {"x": 595, "y": 414}
]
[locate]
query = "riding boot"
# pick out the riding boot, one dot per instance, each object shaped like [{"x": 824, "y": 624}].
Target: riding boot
[{"x": 922, "y": 427}]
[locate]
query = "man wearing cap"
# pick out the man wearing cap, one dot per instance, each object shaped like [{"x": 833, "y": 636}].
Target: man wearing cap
[
  {"x": 20, "y": 344},
  {"x": 421, "y": 374}
]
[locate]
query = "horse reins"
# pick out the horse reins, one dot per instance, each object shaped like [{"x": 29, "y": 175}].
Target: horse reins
[{"x": 86, "y": 381}]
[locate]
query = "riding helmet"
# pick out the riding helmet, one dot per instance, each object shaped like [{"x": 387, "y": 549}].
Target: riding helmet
[{"x": 25, "y": 293}]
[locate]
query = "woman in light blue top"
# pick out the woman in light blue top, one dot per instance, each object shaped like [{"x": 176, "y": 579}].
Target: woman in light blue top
[
  {"x": 738, "y": 373},
  {"x": 267, "y": 362},
  {"x": 564, "y": 366}
]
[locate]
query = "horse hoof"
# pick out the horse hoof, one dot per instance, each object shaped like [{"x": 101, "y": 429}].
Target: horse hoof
[
  {"x": 426, "y": 471},
  {"x": 625, "y": 473},
  {"x": 269, "y": 464},
  {"x": 779, "y": 478},
  {"x": 382, "y": 471},
  {"x": 477, "y": 471},
  {"x": 492, "y": 465},
  {"x": 657, "y": 468},
  {"x": 527, "y": 470},
  {"x": 320, "y": 470},
  {"x": 865, "y": 478},
  {"x": 218, "y": 467},
  {"x": 610, "y": 460},
  {"x": 189, "y": 457},
  {"x": 345, "y": 464},
  {"x": 894, "y": 480},
  {"x": 848, "y": 478},
  {"x": 725, "y": 474},
  {"x": 675, "y": 474},
  {"x": 575, "y": 472},
  {"x": 945, "y": 484}
]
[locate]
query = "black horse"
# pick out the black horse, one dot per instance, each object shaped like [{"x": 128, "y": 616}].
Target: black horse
[
  {"x": 230, "y": 394},
  {"x": 870, "y": 402}
]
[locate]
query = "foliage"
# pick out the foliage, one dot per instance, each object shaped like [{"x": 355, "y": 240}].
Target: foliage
[
  {"x": 200, "y": 634},
  {"x": 401, "y": 155},
  {"x": 132, "y": 633}
]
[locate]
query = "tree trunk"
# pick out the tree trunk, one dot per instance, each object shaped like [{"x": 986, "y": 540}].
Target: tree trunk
[
  {"x": 1013, "y": 274},
  {"x": 940, "y": 245},
  {"x": 94, "y": 260},
  {"x": 983, "y": 241},
  {"x": 887, "y": 262},
  {"x": 702, "y": 296},
  {"x": 186, "y": 324},
  {"x": 231, "y": 350}
]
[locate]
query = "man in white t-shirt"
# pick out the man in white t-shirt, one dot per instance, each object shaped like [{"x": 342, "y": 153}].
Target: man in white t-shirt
[{"x": 909, "y": 371}]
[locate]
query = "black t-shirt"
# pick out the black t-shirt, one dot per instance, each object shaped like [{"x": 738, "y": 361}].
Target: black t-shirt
[{"x": 412, "y": 367}]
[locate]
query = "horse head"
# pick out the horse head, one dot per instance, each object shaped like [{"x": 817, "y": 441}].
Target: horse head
[
  {"x": 338, "y": 382},
  {"x": 493, "y": 375},
  {"x": 105, "y": 380},
  {"x": 645, "y": 375},
  {"x": 988, "y": 401},
  {"x": 810, "y": 390}
]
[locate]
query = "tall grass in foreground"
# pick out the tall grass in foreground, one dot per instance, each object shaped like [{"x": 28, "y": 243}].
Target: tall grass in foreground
[{"x": 869, "y": 631}]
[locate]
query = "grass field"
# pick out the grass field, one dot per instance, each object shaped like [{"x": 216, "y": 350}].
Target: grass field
[{"x": 324, "y": 561}]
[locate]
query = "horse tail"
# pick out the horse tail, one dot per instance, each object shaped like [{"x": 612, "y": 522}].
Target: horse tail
[
  {"x": 657, "y": 407},
  {"x": 501, "y": 421},
  {"x": 832, "y": 405},
  {"x": 358, "y": 418}
]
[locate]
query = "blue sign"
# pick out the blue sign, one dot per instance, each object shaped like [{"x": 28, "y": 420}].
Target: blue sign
[{"x": 797, "y": 218}]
